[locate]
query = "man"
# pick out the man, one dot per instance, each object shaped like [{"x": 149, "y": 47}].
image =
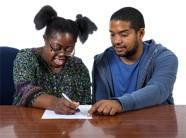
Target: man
[{"x": 133, "y": 73}]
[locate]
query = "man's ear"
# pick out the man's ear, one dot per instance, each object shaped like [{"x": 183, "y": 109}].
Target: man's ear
[{"x": 141, "y": 32}]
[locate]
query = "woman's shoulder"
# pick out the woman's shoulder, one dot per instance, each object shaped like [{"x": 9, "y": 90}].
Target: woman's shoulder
[
  {"x": 26, "y": 55},
  {"x": 77, "y": 65},
  {"x": 26, "y": 51},
  {"x": 76, "y": 60}
]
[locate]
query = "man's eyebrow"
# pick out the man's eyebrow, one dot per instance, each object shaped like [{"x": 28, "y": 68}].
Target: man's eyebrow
[{"x": 123, "y": 31}]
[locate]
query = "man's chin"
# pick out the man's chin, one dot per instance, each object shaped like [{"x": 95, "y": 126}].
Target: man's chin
[{"x": 121, "y": 54}]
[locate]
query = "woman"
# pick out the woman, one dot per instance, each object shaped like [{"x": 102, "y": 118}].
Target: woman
[{"x": 43, "y": 74}]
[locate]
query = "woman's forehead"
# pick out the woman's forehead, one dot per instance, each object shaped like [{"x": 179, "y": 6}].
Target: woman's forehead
[
  {"x": 58, "y": 35},
  {"x": 62, "y": 37}
]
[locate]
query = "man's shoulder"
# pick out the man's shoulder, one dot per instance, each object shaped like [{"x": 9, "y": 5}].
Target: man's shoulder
[
  {"x": 158, "y": 53},
  {"x": 157, "y": 48},
  {"x": 103, "y": 55}
]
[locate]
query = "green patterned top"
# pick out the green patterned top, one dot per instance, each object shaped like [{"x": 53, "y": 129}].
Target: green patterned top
[{"x": 32, "y": 78}]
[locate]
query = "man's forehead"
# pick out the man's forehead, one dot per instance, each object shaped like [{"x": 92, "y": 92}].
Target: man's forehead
[{"x": 119, "y": 25}]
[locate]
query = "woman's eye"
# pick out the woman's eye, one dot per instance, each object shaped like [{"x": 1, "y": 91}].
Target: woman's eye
[
  {"x": 56, "y": 48},
  {"x": 69, "y": 49}
]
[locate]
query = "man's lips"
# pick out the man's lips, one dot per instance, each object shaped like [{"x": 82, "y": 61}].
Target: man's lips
[{"x": 120, "y": 48}]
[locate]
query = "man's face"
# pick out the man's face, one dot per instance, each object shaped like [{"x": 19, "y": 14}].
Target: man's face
[{"x": 125, "y": 40}]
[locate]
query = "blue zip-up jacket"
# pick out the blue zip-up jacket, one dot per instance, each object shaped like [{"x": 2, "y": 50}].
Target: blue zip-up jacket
[{"x": 157, "y": 74}]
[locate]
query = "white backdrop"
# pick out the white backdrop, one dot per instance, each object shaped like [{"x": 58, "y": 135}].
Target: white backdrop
[{"x": 165, "y": 23}]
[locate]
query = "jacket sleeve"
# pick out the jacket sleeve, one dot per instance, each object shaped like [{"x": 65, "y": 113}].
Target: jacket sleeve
[
  {"x": 158, "y": 88},
  {"x": 100, "y": 87}
]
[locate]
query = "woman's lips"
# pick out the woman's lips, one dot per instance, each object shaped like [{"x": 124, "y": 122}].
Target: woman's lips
[{"x": 59, "y": 62}]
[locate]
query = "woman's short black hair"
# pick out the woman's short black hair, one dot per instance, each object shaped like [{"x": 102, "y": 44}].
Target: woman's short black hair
[
  {"x": 130, "y": 14},
  {"x": 47, "y": 16}
]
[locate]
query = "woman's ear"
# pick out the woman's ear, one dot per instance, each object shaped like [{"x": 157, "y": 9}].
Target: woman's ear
[{"x": 44, "y": 37}]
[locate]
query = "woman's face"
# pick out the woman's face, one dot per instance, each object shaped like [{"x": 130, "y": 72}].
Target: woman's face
[{"x": 57, "y": 49}]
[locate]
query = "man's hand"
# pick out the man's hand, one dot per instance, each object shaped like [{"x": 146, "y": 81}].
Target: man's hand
[
  {"x": 63, "y": 106},
  {"x": 106, "y": 107}
]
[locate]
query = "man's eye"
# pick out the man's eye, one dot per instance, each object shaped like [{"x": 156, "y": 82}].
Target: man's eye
[
  {"x": 112, "y": 35},
  {"x": 124, "y": 35}
]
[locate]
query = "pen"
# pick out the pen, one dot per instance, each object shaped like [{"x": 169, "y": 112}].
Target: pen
[{"x": 67, "y": 98}]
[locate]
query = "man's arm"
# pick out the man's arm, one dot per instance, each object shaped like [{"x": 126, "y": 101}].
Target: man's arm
[
  {"x": 157, "y": 90},
  {"x": 159, "y": 87},
  {"x": 99, "y": 90},
  {"x": 102, "y": 93}
]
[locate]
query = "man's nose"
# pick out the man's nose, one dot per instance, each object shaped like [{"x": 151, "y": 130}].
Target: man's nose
[{"x": 117, "y": 40}]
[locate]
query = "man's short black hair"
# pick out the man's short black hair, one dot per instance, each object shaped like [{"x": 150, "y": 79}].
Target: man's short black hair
[{"x": 131, "y": 15}]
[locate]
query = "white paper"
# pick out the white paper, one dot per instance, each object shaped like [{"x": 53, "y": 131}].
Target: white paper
[{"x": 83, "y": 114}]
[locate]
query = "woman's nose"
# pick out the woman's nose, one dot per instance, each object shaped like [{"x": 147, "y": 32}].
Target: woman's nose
[{"x": 61, "y": 52}]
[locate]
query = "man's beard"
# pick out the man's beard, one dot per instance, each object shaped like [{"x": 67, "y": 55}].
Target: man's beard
[{"x": 130, "y": 53}]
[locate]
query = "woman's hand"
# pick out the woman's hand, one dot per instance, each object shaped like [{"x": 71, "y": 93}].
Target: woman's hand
[
  {"x": 63, "y": 106},
  {"x": 58, "y": 105}
]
